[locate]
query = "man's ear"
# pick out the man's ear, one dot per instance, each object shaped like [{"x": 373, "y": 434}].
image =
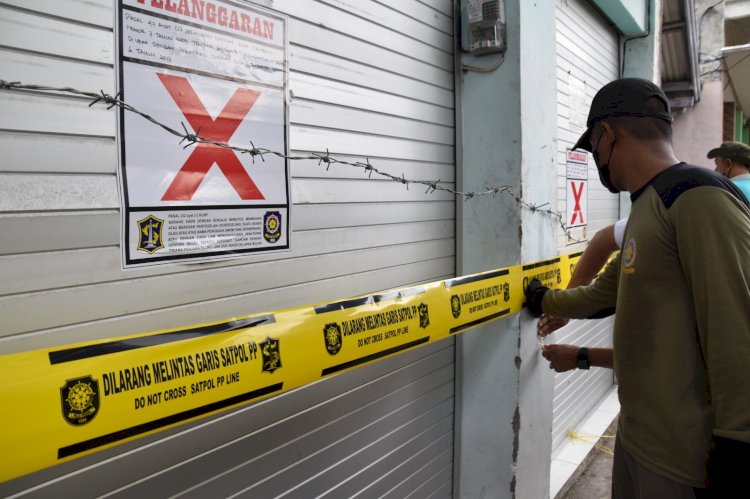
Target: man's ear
[{"x": 607, "y": 131}]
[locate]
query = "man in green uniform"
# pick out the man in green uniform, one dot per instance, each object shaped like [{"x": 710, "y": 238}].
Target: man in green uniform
[{"x": 681, "y": 288}]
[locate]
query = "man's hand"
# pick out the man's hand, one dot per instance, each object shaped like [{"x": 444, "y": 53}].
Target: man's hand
[
  {"x": 561, "y": 357},
  {"x": 534, "y": 295},
  {"x": 548, "y": 324}
]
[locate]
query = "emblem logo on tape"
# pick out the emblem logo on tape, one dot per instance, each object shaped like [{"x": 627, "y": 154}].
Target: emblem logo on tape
[
  {"x": 455, "y": 306},
  {"x": 424, "y": 315},
  {"x": 79, "y": 399},
  {"x": 333, "y": 338},
  {"x": 271, "y": 354}
]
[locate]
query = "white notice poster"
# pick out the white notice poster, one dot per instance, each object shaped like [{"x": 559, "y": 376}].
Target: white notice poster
[
  {"x": 577, "y": 192},
  {"x": 216, "y": 69}
]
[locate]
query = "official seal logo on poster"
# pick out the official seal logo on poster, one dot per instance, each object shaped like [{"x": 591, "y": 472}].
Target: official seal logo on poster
[
  {"x": 272, "y": 226},
  {"x": 79, "y": 399},
  {"x": 333, "y": 338},
  {"x": 455, "y": 306},
  {"x": 271, "y": 354},
  {"x": 424, "y": 315},
  {"x": 150, "y": 232}
]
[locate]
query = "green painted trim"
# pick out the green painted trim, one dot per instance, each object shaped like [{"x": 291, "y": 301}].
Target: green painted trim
[{"x": 628, "y": 16}]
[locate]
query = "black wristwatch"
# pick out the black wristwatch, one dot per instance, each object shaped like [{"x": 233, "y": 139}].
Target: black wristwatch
[{"x": 583, "y": 358}]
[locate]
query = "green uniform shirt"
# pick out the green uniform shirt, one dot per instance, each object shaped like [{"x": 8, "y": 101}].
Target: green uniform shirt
[{"x": 681, "y": 286}]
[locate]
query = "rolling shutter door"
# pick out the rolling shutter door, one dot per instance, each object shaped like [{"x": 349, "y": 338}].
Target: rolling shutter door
[{"x": 587, "y": 59}]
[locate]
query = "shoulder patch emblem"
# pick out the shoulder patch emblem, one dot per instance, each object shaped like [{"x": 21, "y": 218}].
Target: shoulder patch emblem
[{"x": 628, "y": 257}]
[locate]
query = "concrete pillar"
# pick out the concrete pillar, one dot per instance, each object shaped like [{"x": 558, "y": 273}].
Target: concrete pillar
[
  {"x": 640, "y": 53},
  {"x": 506, "y": 122},
  {"x": 539, "y": 182},
  {"x": 640, "y": 59}
]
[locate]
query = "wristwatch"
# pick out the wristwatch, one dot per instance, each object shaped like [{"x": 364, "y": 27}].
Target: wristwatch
[{"x": 582, "y": 360}]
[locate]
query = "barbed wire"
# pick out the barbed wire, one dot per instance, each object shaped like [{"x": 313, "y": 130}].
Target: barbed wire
[{"x": 188, "y": 139}]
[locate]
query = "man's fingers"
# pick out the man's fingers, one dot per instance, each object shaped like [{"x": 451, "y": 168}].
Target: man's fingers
[
  {"x": 548, "y": 325},
  {"x": 543, "y": 325}
]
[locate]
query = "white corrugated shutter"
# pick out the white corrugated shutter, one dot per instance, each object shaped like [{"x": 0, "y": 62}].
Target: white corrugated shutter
[
  {"x": 369, "y": 79},
  {"x": 587, "y": 59}
]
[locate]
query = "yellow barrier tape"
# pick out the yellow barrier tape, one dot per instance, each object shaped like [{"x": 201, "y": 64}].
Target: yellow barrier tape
[
  {"x": 63, "y": 403},
  {"x": 592, "y": 440}
]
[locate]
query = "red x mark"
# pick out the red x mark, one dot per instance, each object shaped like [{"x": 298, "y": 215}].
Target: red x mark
[
  {"x": 190, "y": 176},
  {"x": 577, "y": 197}
]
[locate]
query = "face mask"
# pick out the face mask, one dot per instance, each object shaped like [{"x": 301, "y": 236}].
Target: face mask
[{"x": 604, "y": 169}]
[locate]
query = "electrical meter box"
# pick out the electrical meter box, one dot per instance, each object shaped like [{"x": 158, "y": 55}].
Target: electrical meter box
[{"x": 486, "y": 27}]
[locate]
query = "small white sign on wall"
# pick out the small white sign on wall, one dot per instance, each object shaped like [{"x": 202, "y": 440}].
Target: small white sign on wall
[{"x": 577, "y": 190}]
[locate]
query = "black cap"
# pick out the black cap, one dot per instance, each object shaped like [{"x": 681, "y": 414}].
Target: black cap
[
  {"x": 736, "y": 151},
  {"x": 624, "y": 97}
]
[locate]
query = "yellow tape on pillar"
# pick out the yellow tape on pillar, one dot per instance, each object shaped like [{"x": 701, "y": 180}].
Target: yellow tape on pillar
[{"x": 67, "y": 402}]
